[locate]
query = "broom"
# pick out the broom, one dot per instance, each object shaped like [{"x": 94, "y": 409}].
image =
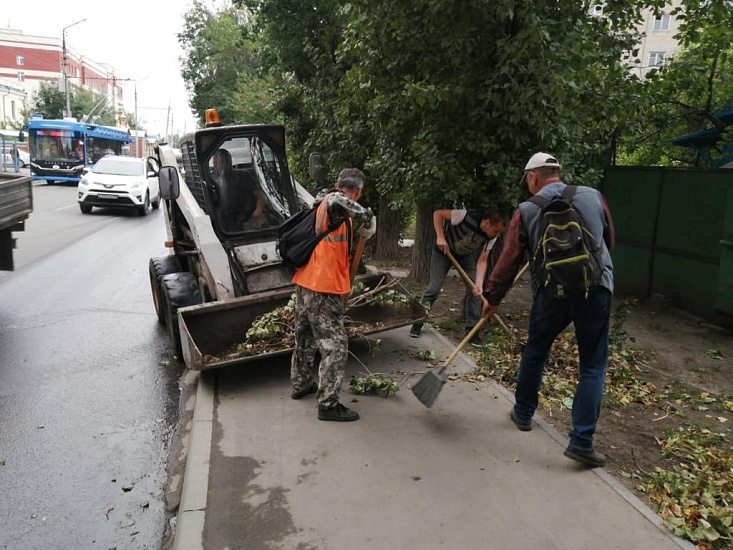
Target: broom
[{"x": 428, "y": 387}]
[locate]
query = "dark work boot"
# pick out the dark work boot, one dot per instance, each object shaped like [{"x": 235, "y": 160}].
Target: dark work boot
[
  {"x": 307, "y": 390},
  {"x": 522, "y": 425},
  {"x": 590, "y": 458},
  {"x": 338, "y": 413},
  {"x": 415, "y": 330}
]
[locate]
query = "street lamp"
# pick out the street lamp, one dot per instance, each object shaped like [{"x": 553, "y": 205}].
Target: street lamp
[{"x": 66, "y": 75}]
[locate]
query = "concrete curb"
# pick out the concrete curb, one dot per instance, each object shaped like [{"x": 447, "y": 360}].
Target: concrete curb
[
  {"x": 192, "y": 511},
  {"x": 622, "y": 491}
]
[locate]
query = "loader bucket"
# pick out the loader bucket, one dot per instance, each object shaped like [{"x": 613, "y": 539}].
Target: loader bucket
[{"x": 210, "y": 331}]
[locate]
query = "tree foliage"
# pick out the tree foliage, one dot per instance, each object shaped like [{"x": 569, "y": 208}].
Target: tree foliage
[
  {"x": 222, "y": 67},
  {"x": 441, "y": 102},
  {"x": 684, "y": 95},
  {"x": 50, "y": 102}
]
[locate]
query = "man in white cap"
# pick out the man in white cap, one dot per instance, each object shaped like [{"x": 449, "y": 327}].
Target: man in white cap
[{"x": 551, "y": 314}]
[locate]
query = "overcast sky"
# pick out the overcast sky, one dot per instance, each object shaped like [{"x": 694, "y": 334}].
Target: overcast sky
[{"x": 136, "y": 37}]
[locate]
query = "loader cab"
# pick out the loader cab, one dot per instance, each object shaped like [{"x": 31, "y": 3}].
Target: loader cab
[{"x": 246, "y": 185}]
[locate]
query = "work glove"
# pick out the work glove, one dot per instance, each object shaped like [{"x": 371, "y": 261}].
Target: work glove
[{"x": 368, "y": 228}]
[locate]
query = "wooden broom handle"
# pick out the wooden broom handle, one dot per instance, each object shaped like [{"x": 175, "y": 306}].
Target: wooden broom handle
[{"x": 472, "y": 285}]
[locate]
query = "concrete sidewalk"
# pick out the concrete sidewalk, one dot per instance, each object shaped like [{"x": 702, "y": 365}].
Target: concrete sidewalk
[{"x": 263, "y": 472}]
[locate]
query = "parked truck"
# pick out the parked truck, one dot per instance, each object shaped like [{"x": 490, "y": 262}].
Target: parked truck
[
  {"x": 224, "y": 196},
  {"x": 16, "y": 204}
]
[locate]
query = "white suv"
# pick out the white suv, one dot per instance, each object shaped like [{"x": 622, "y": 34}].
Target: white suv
[{"x": 120, "y": 182}]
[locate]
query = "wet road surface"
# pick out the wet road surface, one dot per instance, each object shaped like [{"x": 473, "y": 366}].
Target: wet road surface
[{"x": 88, "y": 389}]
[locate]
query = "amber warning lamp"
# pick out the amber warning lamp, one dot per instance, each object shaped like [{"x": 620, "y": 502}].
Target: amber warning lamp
[{"x": 212, "y": 118}]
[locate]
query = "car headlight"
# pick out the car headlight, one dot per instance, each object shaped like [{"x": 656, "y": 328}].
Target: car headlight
[
  {"x": 83, "y": 181},
  {"x": 136, "y": 185}
]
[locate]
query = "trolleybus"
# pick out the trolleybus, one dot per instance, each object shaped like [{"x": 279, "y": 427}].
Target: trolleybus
[{"x": 61, "y": 149}]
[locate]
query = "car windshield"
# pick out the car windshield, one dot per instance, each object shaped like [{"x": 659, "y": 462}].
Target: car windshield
[{"x": 118, "y": 167}]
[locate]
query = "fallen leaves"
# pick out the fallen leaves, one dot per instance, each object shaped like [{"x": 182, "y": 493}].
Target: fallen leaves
[{"x": 694, "y": 494}]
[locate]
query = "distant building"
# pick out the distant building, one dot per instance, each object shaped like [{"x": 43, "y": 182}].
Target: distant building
[
  {"x": 142, "y": 144},
  {"x": 27, "y": 60},
  {"x": 658, "y": 42},
  {"x": 12, "y": 100}
]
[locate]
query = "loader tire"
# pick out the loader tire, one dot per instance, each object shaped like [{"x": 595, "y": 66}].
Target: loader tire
[
  {"x": 178, "y": 290},
  {"x": 159, "y": 267}
]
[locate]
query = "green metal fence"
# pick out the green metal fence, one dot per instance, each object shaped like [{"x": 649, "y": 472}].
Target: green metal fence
[{"x": 674, "y": 230}]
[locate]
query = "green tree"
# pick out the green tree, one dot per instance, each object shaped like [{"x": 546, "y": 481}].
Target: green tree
[
  {"x": 92, "y": 107},
  {"x": 457, "y": 95},
  {"x": 441, "y": 101},
  {"x": 684, "y": 94},
  {"x": 221, "y": 65},
  {"x": 48, "y": 101}
]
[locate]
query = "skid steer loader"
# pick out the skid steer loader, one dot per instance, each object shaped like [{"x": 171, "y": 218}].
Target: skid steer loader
[{"x": 224, "y": 196}]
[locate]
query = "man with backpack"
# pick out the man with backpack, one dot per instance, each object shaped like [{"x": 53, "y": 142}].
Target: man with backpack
[
  {"x": 569, "y": 233},
  {"x": 320, "y": 286}
]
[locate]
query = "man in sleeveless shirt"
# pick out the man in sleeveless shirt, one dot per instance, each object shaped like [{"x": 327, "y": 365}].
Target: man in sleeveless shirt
[
  {"x": 464, "y": 233},
  {"x": 320, "y": 288}
]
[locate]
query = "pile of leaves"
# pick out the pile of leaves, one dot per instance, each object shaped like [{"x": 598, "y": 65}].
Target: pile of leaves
[
  {"x": 374, "y": 384},
  {"x": 498, "y": 359},
  {"x": 694, "y": 494},
  {"x": 274, "y": 331}
]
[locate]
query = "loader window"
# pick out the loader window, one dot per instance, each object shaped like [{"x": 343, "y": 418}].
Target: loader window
[{"x": 245, "y": 187}]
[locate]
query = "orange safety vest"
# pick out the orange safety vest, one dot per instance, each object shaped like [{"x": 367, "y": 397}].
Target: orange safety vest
[{"x": 327, "y": 271}]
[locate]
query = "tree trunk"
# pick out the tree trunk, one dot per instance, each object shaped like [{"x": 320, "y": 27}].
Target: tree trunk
[
  {"x": 424, "y": 241},
  {"x": 388, "y": 232}
]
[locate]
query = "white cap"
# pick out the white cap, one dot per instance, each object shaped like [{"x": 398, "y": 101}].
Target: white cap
[{"x": 538, "y": 160}]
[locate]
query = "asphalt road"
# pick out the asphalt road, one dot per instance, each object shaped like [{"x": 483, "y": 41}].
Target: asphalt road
[{"x": 89, "y": 393}]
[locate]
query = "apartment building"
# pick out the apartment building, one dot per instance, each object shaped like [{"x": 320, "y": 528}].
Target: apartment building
[
  {"x": 28, "y": 60},
  {"x": 657, "y": 32},
  {"x": 658, "y": 39}
]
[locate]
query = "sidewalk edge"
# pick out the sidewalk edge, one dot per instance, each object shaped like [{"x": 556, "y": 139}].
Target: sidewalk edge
[
  {"x": 191, "y": 514},
  {"x": 622, "y": 491}
]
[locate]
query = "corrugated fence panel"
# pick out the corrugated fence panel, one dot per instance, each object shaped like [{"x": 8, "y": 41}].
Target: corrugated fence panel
[
  {"x": 671, "y": 227},
  {"x": 687, "y": 250},
  {"x": 633, "y": 197},
  {"x": 724, "y": 302}
]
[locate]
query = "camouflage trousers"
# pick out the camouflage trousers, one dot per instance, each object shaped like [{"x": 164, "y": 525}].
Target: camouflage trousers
[{"x": 319, "y": 326}]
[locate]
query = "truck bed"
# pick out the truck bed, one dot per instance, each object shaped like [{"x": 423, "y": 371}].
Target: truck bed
[
  {"x": 16, "y": 199},
  {"x": 16, "y": 204},
  {"x": 210, "y": 331}
]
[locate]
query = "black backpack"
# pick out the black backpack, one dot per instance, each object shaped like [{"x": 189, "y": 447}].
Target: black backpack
[
  {"x": 566, "y": 259},
  {"x": 297, "y": 238}
]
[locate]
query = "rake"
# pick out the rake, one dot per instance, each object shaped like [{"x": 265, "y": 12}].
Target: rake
[{"x": 517, "y": 346}]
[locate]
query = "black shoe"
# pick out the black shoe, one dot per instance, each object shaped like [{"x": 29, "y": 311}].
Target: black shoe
[
  {"x": 590, "y": 458},
  {"x": 339, "y": 413},
  {"x": 475, "y": 340},
  {"x": 309, "y": 389},
  {"x": 415, "y": 330},
  {"x": 522, "y": 425}
]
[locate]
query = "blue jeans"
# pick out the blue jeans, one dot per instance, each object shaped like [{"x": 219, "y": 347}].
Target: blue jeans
[
  {"x": 548, "y": 318},
  {"x": 440, "y": 265}
]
